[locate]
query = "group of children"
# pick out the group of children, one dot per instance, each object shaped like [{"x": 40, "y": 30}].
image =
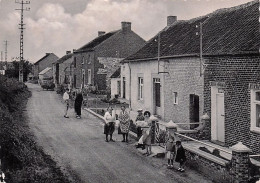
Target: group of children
[
  {"x": 175, "y": 150},
  {"x": 173, "y": 147}
]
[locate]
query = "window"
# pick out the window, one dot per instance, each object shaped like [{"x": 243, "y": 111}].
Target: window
[
  {"x": 255, "y": 110},
  {"x": 89, "y": 59},
  {"x": 89, "y": 76},
  {"x": 140, "y": 88},
  {"x": 175, "y": 98},
  {"x": 83, "y": 60}
]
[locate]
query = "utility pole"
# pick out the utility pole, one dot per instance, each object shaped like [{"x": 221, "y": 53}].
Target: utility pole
[
  {"x": 1, "y": 56},
  {"x": 22, "y": 9},
  {"x": 5, "y": 42}
]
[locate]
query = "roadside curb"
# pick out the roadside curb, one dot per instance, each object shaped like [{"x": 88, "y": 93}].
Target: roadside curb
[{"x": 132, "y": 134}]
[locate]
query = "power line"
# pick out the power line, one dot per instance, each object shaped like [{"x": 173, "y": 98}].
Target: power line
[{"x": 22, "y": 3}]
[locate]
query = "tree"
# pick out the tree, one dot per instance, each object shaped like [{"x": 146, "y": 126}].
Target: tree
[{"x": 13, "y": 70}]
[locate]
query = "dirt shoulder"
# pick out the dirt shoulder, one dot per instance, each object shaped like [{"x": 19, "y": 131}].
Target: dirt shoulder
[{"x": 23, "y": 160}]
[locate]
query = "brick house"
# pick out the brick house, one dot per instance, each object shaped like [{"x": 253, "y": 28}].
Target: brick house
[
  {"x": 231, "y": 78},
  {"x": 43, "y": 63},
  {"x": 62, "y": 69},
  {"x": 224, "y": 83},
  {"x": 96, "y": 61}
]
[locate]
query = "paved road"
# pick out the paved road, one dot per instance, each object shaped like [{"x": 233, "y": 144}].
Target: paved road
[{"x": 78, "y": 146}]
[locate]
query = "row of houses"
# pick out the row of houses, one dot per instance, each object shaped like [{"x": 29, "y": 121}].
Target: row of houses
[
  {"x": 93, "y": 63},
  {"x": 209, "y": 64}
]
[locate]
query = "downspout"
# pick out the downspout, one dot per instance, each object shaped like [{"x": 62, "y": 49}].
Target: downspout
[{"x": 130, "y": 79}]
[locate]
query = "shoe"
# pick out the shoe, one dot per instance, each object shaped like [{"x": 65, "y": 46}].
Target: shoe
[
  {"x": 143, "y": 146},
  {"x": 66, "y": 116},
  {"x": 123, "y": 140},
  {"x": 179, "y": 169},
  {"x": 172, "y": 166},
  {"x": 106, "y": 140},
  {"x": 112, "y": 140},
  {"x": 126, "y": 141},
  {"x": 182, "y": 170},
  {"x": 168, "y": 166},
  {"x": 78, "y": 117}
]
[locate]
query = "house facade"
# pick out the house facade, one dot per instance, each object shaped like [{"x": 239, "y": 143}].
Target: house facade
[
  {"x": 223, "y": 81},
  {"x": 96, "y": 61},
  {"x": 43, "y": 63},
  {"x": 62, "y": 69}
]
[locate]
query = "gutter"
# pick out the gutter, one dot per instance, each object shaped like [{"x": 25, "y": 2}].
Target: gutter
[{"x": 254, "y": 53}]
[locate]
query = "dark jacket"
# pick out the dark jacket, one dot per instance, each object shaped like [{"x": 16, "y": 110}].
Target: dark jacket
[{"x": 180, "y": 155}]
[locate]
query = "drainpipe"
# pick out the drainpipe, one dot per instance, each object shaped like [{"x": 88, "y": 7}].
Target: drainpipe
[{"x": 130, "y": 73}]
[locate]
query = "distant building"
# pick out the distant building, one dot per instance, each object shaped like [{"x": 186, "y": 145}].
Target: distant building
[
  {"x": 96, "y": 61},
  {"x": 43, "y": 63},
  {"x": 62, "y": 69},
  {"x": 116, "y": 84},
  {"x": 46, "y": 73}
]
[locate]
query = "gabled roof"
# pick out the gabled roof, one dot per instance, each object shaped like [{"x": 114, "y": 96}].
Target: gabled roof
[
  {"x": 225, "y": 31},
  {"x": 95, "y": 42},
  {"x": 116, "y": 74},
  {"x": 64, "y": 58},
  {"x": 46, "y": 55},
  {"x": 45, "y": 70}
]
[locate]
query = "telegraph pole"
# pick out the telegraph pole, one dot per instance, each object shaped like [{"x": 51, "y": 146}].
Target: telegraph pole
[
  {"x": 1, "y": 55},
  {"x": 22, "y": 9},
  {"x": 5, "y": 42}
]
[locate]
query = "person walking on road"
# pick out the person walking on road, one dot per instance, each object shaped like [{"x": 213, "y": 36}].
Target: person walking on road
[
  {"x": 110, "y": 120},
  {"x": 66, "y": 98},
  {"x": 78, "y": 104},
  {"x": 124, "y": 125}
]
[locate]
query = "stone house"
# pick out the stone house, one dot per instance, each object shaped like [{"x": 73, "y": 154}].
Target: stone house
[
  {"x": 43, "y": 63},
  {"x": 96, "y": 61},
  {"x": 208, "y": 64}
]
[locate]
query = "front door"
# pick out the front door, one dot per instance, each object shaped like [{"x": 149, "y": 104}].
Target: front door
[
  {"x": 157, "y": 95},
  {"x": 220, "y": 117},
  {"x": 194, "y": 110}
]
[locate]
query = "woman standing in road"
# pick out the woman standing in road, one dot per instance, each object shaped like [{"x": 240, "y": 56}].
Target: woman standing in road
[
  {"x": 78, "y": 103},
  {"x": 124, "y": 125},
  {"x": 110, "y": 120}
]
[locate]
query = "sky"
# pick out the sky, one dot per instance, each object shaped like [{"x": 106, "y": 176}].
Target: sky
[{"x": 57, "y": 26}]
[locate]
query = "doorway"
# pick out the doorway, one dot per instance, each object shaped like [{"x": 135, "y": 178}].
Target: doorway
[
  {"x": 217, "y": 115},
  {"x": 194, "y": 110},
  {"x": 157, "y": 95},
  {"x": 123, "y": 87}
]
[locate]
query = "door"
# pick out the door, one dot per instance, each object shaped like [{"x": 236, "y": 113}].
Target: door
[
  {"x": 220, "y": 117},
  {"x": 123, "y": 87},
  {"x": 194, "y": 110},
  {"x": 119, "y": 88},
  {"x": 157, "y": 95}
]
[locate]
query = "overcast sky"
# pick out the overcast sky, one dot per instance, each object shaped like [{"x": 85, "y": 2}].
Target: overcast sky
[{"x": 60, "y": 25}]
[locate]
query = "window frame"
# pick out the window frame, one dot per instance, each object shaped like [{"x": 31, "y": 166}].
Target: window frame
[
  {"x": 253, "y": 103},
  {"x": 140, "y": 88}
]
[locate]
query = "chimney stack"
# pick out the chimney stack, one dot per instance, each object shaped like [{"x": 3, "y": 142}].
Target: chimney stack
[
  {"x": 126, "y": 26},
  {"x": 101, "y": 33},
  {"x": 68, "y": 52},
  {"x": 171, "y": 20}
]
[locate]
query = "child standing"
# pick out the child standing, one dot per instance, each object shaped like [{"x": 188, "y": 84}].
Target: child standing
[
  {"x": 180, "y": 156},
  {"x": 170, "y": 151}
]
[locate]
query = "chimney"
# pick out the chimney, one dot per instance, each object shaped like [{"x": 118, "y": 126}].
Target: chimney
[
  {"x": 126, "y": 26},
  {"x": 68, "y": 52},
  {"x": 101, "y": 33},
  {"x": 171, "y": 20}
]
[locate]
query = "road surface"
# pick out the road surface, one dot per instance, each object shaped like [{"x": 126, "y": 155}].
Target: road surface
[{"x": 79, "y": 147}]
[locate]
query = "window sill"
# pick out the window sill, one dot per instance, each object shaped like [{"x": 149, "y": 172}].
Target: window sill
[{"x": 255, "y": 130}]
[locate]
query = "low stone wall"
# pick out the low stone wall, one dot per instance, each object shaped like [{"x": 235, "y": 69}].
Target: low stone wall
[{"x": 215, "y": 171}]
